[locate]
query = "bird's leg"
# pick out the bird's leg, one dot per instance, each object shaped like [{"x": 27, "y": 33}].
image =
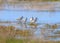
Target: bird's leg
[{"x": 25, "y": 25}]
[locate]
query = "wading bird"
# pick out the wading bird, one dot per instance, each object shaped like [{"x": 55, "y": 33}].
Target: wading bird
[
  {"x": 20, "y": 19},
  {"x": 24, "y": 20},
  {"x": 33, "y": 22}
]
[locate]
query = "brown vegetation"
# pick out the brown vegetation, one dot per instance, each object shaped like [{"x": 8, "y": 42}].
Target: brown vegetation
[
  {"x": 9, "y": 31},
  {"x": 54, "y": 26},
  {"x": 24, "y": 33},
  {"x": 6, "y": 31}
]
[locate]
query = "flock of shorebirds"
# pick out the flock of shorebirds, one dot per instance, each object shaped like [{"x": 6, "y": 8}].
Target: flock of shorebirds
[
  {"x": 23, "y": 21},
  {"x": 32, "y": 19},
  {"x": 33, "y": 23}
]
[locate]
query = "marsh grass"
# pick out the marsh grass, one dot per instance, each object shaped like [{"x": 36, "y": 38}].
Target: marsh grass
[
  {"x": 24, "y": 33},
  {"x": 7, "y": 35}
]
